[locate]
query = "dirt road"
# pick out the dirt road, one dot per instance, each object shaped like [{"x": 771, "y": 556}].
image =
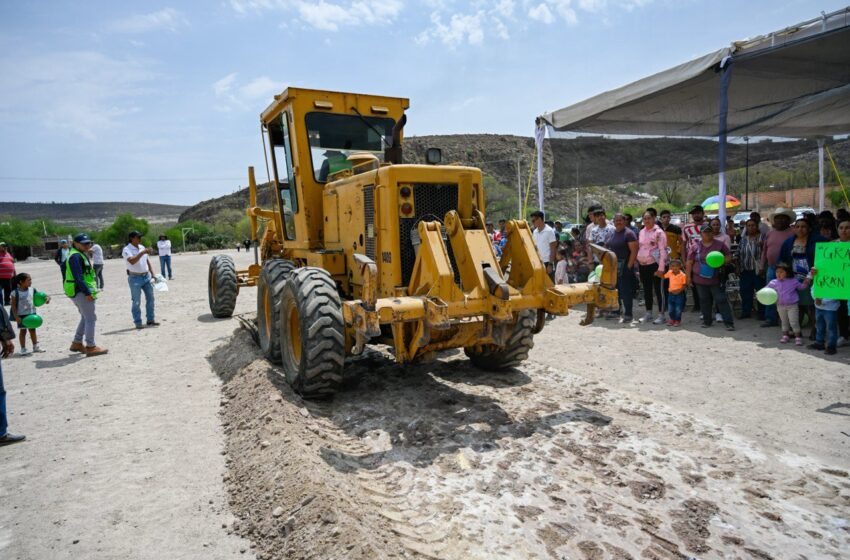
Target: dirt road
[
  {"x": 579, "y": 454},
  {"x": 123, "y": 452}
]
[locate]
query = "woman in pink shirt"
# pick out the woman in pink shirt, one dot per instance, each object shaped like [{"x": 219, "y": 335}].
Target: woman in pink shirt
[{"x": 652, "y": 260}]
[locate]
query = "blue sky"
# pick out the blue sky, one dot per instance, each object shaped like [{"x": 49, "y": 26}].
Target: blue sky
[{"x": 159, "y": 93}]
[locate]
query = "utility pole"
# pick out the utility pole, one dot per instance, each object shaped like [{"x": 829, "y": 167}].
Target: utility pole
[
  {"x": 184, "y": 230},
  {"x": 518, "y": 190},
  {"x": 577, "y": 203},
  {"x": 747, "y": 175}
]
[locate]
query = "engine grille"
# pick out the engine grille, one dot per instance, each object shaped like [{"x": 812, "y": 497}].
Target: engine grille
[
  {"x": 369, "y": 214},
  {"x": 431, "y": 202}
]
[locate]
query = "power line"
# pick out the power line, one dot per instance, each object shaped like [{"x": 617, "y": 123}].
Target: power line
[{"x": 120, "y": 179}]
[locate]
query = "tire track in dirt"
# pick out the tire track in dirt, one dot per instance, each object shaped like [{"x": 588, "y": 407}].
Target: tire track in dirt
[{"x": 443, "y": 461}]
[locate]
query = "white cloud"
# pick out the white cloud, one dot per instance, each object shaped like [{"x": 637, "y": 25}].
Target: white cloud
[
  {"x": 167, "y": 19},
  {"x": 460, "y": 29},
  {"x": 327, "y": 15},
  {"x": 85, "y": 93},
  {"x": 254, "y": 93},
  {"x": 541, "y": 13}
]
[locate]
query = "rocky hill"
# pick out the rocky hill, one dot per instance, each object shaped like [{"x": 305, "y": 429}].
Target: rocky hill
[
  {"x": 616, "y": 172},
  {"x": 90, "y": 214}
]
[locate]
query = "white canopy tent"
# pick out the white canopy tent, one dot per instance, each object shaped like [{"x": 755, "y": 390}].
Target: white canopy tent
[{"x": 793, "y": 83}]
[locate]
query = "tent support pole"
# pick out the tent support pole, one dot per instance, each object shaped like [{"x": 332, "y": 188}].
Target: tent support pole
[
  {"x": 725, "y": 76},
  {"x": 820, "y": 176},
  {"x": 539, "y": 135}
]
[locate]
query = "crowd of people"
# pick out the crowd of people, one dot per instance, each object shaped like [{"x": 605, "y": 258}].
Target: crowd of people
[
  {"x": 81, "y": 266},
  {"x": 660, "y": 264}
]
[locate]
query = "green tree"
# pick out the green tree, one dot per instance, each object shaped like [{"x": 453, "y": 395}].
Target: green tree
[
  {"x": 116, "y": 234},
  {"x": 19, "y": 233}
]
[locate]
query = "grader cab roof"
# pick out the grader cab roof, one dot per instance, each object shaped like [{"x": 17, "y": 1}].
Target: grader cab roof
[{"x": 336, "y": 102}]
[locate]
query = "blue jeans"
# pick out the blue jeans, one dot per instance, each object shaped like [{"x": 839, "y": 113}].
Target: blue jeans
[
  {"x": 675, "y": 305},
  {"x": 770, "y": 313},
  {"x": 750, "y": 283},
  {"x": 139, "y": 284},
  {"x": 827, "y": 322},
  {"x": 625, "y": 287},
  {"x": 165, "y": 262},
  {"x": 4, "y": 424}
]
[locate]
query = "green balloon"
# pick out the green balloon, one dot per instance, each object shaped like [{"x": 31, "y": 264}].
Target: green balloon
[
  {"x": 598, "y": 271},
  {"x": 32, "y": 321},
  {"x": 39, "y": 299},
  {"x": 715, "y": 259},
  {"x": 767, "y": 296}
]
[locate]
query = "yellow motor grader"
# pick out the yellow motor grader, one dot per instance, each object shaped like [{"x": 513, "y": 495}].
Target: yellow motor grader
[{"x": 363, "y": 249}]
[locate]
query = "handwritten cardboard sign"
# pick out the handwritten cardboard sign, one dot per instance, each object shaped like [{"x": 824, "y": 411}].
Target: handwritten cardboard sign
[{"x": 832, "y": 261}]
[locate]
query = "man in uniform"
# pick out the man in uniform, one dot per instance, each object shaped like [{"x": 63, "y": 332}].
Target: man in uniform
[{"x": 81, "y": 287}]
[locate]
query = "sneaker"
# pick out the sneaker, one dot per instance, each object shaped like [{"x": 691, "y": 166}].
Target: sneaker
[
  {"x": 841, "y": 342},
  {"x": 8, "y": 439},
  {"x": 798, "y": 340},
  {"x": 785, "y": 338},
  {"x": 677, "y": 323},
  {"x": 625, "y": 319},
  {"x": 77, "y": 347},
  {"x": 35, "y": 348},
  {"x": 24, "y": 351},
  {"x": 139, "y": 326},
  {"x": 730, "y": 327},
  {"x": 816, "y": 346},
  {"x": 830, "y": 350},
  {"x": 670, "y": 323},
  {"x": 95, "y": 351},
  {"x": 659, "y": 320},
  {"x": 647, "y": 317},
  {"x": 155, "y": 324},
  {"x": 718, "y": 317}
]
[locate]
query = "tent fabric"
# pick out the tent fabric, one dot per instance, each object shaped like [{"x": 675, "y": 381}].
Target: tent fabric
[{"x": 797, "y": 88}]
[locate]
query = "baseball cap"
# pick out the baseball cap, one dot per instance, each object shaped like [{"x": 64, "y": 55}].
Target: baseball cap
[
  {"x": 133, "y": 234},
  {"x": 2, "y": 243},
  {"x": 696, "y": 208},
  {"x": 82, "y": 239},
  {"x": 706, "y": 228}
]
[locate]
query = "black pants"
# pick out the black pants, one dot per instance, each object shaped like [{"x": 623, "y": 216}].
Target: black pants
[
  {"x": 714, "y": 296},
  {"x": 843, "y": 320},
  {"x": 6, "y": 286},
  {"x": 651, "y": 284}
]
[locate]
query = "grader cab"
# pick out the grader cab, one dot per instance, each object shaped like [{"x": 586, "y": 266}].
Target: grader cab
[{"x": 363, "y": 249}]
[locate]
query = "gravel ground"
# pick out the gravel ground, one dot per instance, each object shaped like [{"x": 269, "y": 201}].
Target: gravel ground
[{"x": 598, "y": 447}]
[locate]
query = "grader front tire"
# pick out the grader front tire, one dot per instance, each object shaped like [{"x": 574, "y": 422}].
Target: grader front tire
[
  {"x": 513, "y": 353},
  {"x": 312, "y": 333},
  {"x": 269, "y": 287},
  {"x": 222, "y": 286}
]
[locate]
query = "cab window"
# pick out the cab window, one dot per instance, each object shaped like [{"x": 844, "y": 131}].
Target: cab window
[
  {"x": 334, "y": 137},
  {"x": 282, "y": 161}
]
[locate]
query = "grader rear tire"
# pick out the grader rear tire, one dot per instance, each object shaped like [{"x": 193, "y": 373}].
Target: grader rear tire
[
  {"x": 513, "y": 353},
  {"x": 312, "y": 333},
  {"x": 222, "y": 286},
  {"x": 269, "y": 287}
]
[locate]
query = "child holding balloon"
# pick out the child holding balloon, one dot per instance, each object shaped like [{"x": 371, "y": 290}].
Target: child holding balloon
[
  {"x": 786, "y": 287},
  {"x": 23, "y": 302}
]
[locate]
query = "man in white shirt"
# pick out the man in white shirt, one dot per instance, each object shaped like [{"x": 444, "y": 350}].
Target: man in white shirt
[
  {"x": 163, "y": 247},
  {"x": 546, "y": 241},
  {"x": 139, "y": 275},
  {"x": 97, "y": 263}
]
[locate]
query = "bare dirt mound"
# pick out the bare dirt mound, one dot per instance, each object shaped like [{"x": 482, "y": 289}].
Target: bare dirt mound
[{"x": 444, "y": 461}]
